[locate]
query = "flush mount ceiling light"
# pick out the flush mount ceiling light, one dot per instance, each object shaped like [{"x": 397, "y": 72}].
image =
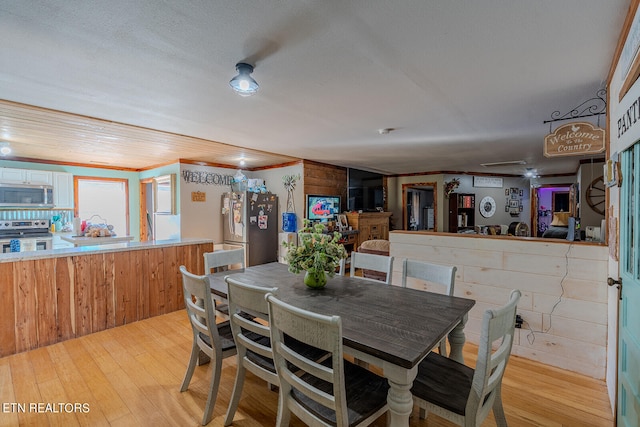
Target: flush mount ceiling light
[
  {"x": 243, "y": 83},
  {"x": 5, "y": 149}
]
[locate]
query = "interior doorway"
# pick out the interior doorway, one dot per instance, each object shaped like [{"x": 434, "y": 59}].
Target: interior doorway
[
  {"x": 419, "y": 206},
  {"x": 158, "y": 211},
  {"x": 146, "y": 208},
  {"x": 546, "y": 200}
]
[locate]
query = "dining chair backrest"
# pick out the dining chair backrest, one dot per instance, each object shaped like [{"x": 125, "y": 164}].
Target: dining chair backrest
[
  {"x": 379, "y": 263},
  {"x": 498, "y": 328},
  {"x": 316, "y": 391},
  {"x": 249, "y": 317},
  {"x": 224, "y": 259},
  {"x": 463, "y": 395},
  {"x": 214, "y": 340},
  {"x": 442, "y": 275}
]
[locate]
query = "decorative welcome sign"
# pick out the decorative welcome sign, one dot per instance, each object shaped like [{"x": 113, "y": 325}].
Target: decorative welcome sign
[
  {"x": 208, "y": 178},
  {"x": 574, "y": 139}
]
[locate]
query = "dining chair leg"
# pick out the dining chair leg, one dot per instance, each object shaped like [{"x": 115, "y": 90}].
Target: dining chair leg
[
  {"x": 498, "y": 410},
  {"x": 235, "y": 395},
  {"x": 423, "y": 413},
  {"x": 442, "y": 348},
  {"x": 213, "y": 390},
  {"x": 284, "y": 413},
  {"x": 193, "y": 360}
]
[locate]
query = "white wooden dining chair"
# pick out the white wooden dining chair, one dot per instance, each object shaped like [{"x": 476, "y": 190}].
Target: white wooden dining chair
[
  {"x": 379, "y": 263},
  {"x": 464, "y": 395},
  {"x": 223, "y": 260},
  {"x": 249, "y": 316},
  {"x": 250, "y": 326},
  {"x": 214, "y": 340},
  {"x": 443, "y": 276},
  {"x": 334, "y": 392}
]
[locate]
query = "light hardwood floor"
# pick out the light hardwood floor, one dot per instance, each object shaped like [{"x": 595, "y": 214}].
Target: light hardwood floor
[{"x": 131, "y": 375}]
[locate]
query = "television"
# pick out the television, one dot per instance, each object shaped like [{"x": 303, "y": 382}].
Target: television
[
  {"x": 322, "y": 208},
  {"x": 366, "y": 191}
]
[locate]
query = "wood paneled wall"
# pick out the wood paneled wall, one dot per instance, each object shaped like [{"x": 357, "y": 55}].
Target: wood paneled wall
[
  {"x": 326, "y": 180},
  {"x": 49, "y": 300},
  {"x": 564, "y": 292}
]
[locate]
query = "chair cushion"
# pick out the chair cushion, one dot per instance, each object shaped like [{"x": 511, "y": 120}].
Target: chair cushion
[
  {"x": 443, "y": 382},
  {"x": 380, "y": 245},
  {"x": 226, "y": 336},
  {"x": 366, "y": 394}
]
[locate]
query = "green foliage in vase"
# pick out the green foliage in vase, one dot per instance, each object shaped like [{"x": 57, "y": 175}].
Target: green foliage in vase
[{"x": 316, "y": 251}]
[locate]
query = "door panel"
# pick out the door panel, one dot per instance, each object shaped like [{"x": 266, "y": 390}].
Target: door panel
[{"x": 629, "y": 325}]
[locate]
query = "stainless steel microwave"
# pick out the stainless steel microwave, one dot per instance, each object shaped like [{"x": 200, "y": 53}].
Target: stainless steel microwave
[{"x": 26, "y": 196}]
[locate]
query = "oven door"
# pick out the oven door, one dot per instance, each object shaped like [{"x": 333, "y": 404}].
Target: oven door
[{"x": 26, "y": 245}]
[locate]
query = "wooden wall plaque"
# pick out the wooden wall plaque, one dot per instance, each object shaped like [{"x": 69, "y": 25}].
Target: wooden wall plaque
[
  {"x": 574, "y": 139},
  {"x": 198, "y": 196}
]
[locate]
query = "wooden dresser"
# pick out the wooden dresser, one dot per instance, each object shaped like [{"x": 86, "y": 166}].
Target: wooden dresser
[{"x": 370, "y": 225}]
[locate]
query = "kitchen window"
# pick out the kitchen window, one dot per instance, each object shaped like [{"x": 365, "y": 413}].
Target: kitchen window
[{"x": 103, "y": 199}]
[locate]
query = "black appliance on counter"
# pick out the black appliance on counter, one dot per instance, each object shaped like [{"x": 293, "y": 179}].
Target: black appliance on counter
[{"x": 32, "y": 234}]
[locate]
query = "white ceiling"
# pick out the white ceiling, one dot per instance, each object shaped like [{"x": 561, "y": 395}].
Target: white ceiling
[{"x": 462, "y": 82}]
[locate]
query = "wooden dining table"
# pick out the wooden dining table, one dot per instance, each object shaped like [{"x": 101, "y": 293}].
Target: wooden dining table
[{"x": 388, "y": 326}]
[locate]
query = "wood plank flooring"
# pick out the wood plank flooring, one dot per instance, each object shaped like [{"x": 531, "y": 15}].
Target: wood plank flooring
[{"x": 131, "y": 375}]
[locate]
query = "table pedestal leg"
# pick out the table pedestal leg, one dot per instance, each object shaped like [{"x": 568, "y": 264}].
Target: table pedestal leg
[
  {"x": 457, "y": 339},
  {"x": 399, "y": 398}
]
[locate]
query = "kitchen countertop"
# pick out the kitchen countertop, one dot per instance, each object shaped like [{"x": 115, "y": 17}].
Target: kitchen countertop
[
  {"x": 91, "y": 241},
  {"x": 86, "y": 250}
]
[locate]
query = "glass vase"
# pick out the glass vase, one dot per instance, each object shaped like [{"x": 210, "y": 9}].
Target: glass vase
[{"x": 315, "y": 279}]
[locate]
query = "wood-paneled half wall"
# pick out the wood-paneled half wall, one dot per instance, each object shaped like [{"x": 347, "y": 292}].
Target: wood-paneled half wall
[{"x": 49, "y": 300}]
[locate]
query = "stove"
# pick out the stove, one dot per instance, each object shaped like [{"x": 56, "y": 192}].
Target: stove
[
  {"x": 33, "y": 234},
  {"x": 12, "y": 229}
]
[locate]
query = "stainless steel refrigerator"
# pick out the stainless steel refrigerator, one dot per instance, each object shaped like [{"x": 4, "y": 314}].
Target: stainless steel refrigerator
[{"x": 251, "y": 220}]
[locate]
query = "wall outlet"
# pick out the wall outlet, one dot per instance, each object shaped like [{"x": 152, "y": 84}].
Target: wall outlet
[{"x": 519, "y": 321}]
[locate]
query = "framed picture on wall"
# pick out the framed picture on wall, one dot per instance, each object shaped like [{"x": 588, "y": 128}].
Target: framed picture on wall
[
  {"x": 506, "y": 192},
  {"x": 514, "y": 204}
]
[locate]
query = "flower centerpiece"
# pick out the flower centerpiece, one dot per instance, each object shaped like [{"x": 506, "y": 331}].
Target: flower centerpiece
[{"x": 317, "y": 253}]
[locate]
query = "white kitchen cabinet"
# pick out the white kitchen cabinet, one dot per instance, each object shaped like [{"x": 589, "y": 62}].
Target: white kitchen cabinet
[
  {"x": 26, "y": 176},
  {"x": 63, "y": 190},
  {"x": 39, "y": 177},
  {"x": 12, "y": 175}
]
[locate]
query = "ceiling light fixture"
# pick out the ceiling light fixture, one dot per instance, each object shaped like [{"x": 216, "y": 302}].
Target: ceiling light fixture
[
  {"x": 243, "y": 83},
  {"x": 5, "y": 149}
]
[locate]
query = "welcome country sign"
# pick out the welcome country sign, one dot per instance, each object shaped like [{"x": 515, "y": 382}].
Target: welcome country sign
[{"x": 574, "y": 139}]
